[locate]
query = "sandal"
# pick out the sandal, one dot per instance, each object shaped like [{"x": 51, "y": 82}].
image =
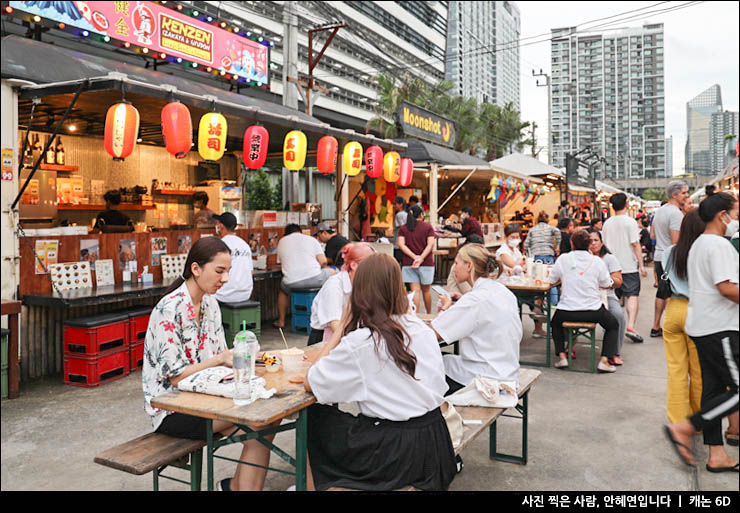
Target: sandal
[
  {"x": 676, "y": 445},
  {"x": 717, "y": 470},
  {"x": 731, "y": 439}
]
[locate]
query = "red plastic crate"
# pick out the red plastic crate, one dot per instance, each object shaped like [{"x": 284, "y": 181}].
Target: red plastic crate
[
  {"x": 89, "y": 372},
  {"x": 136, "y": 352},
  {"x": 112, "y": 334},
  {"x": 137, "y": 329}
]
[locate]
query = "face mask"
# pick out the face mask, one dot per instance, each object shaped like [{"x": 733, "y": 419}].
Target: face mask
[{"x": 513, "y": 243}]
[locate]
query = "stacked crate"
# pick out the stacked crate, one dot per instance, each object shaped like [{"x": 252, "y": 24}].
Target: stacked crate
[{"x": 300, "y": 309}]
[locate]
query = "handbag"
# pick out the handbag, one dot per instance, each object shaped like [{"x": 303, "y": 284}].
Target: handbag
[{"x": 454, "y": 423}]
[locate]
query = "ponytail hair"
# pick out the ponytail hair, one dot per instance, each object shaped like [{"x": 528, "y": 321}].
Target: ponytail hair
[
  {"x": 484, "y": 263},
  {"x": 203, "y": 251},
  {"x": 414, "y": 212}
]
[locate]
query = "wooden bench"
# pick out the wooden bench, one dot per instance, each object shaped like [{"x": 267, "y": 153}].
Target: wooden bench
[
  {"x": 578, "y": 329},
  {"x": 154, "y": 452},
  {"x": 489, "y": 416}
]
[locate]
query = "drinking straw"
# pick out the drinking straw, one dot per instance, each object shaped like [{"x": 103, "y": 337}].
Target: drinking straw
[{"x": 281, "y": 334}]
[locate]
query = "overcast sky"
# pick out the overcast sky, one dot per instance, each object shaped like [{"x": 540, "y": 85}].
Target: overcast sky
[{"x": 701, "y": 49}]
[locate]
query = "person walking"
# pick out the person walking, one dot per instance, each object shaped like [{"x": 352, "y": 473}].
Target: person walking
[
  {"x": 399, "y": 219},
  {"x": 622, "y": 236},
  {"x": 712, "y": 323},
  {"x": 416, "y": 241},
  {"x": 666, "y": 227}
]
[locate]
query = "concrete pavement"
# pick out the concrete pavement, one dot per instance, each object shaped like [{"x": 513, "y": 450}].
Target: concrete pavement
[{"x": 591, "y": 432}]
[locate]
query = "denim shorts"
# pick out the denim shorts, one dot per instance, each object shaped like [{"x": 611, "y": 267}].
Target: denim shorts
[{"x": 423, "y": 274}]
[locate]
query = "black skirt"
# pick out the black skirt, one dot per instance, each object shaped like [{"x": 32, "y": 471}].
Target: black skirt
[
  {"x": 315, "y": 337},
  {"x": 363, "y": 453}
]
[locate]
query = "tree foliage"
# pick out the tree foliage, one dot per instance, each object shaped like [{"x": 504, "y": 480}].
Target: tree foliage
[{"x": 483, "y": 129}]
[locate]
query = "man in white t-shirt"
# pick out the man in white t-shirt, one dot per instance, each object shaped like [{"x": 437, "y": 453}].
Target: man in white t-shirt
[
  {"x": 239, "y": 286},
  {"x": 303, "y": 264},
  {"x": 665, "y": 229},
  {"x": 621, "y": 236}
]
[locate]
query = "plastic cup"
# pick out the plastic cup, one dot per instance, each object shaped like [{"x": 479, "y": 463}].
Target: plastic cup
[
  {"x": 292, "y": 358},
  {"x": 298, "y": 375}
]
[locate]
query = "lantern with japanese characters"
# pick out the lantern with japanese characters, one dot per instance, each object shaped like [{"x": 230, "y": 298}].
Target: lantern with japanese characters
[
  {"x": 121, "y": 130},
  {"x": 294, "y": 150},
  {"x": 254, "y": 152},
  {"x": 406, "y": 172},
  {"x": 374, "y": 162},
  {"x": 177, "y": 129},
  {"x": 352, "y": 158},
  {"x": 391, "y": 166},
  {"x": 212, "y": 132},
  {"x": 326, "y": 154}
]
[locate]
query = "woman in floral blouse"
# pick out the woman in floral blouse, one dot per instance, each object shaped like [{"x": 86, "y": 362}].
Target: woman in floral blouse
[{"x": 184, "y": 336}]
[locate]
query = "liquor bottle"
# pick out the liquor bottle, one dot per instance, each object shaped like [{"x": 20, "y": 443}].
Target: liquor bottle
[
  {"x": 50, "y": 157},
  {"x": 37, "y": 149},
  {"x": 28, "y": 155},
  {"x": 60, "y": 152}
]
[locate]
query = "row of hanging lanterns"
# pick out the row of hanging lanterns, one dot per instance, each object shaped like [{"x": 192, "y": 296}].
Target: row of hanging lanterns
[{"x": 122, "y": 128}]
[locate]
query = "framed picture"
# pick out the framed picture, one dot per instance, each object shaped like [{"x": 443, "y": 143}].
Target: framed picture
[
  {"x": 159, "y": 248},
  {"x": 126, "y": 252}
]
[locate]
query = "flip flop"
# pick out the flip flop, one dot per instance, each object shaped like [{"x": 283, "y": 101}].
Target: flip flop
[
  {"x": 676, "y": 445},
  {"x": 717, "y": 470},
  {"x": 731, "y": 439}
]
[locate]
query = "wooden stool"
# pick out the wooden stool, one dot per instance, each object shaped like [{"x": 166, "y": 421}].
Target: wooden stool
[
  {"x": 575, "y": 330},
  {"x": 233, "y": 315}
]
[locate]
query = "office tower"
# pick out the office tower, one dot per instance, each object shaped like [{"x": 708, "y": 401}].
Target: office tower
[
  {"x": 699, "y": 112},
  {"x": 608, "y": 94},
  {"x": 669, "y": 157},
  {"x": 722, "y": 125},
  {"x": 483, "y": 51}
]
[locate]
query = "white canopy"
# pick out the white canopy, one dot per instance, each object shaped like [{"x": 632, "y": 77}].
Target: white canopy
[{"x": 525, "y": 165}]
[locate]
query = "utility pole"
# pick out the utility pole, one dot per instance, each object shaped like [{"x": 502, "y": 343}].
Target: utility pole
[
  {"x": 549, "y": 111},
  {"x": 290, "y": 91}
]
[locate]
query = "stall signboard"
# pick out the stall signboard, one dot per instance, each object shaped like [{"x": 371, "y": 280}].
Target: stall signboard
[
  {"x": 578, "y": 173},
  {"x": 423, "y": 124},
  {"x": 162, "y": 30}
]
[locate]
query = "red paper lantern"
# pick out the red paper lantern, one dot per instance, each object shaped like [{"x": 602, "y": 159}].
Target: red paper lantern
[
  {"x": 326, "y": 154},
  {"x": 407, "y": 173},
  {"x": 121, "y": 130},
  {"x": 374, "y": 162},
  {"x": 177, "y": 129},
  {"x": 256, "y": 139}
]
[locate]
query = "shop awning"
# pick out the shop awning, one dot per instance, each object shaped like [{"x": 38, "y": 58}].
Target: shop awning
[
  {"x": 525, "y": 165},
  {"x": 60, "y": 72},
  {"x": 424, "y": 152}
]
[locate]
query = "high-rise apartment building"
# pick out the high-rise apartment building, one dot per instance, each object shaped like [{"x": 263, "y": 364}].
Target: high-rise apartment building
[
  {"x": 608, "y": 94},
  {"x": 722, "y": 126},
  {"x": 669, "y": 157},
  {"x": 483, "y": 51},
  {"x": 699, "y": 112}
]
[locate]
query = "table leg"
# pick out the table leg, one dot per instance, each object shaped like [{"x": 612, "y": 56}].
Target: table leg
[
  {"x": 301, "y": 450},
  {"x": 14, "y": 375},
  {"x": 209, "y": 455},
  {"x": 549, "y": 331}
]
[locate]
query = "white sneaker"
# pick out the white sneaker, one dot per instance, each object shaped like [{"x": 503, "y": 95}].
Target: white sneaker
[
  {"x": 561, "y": 364},
  {"x": 606, "y": 368}
]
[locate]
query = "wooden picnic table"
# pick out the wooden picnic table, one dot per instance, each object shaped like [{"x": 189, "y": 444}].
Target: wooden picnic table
[{"x": 255, "y": 418}]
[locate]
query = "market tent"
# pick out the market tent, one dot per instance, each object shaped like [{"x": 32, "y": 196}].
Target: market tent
[
  {"x": 731, "y": 171},
  {"x": 525, "y": 165}
]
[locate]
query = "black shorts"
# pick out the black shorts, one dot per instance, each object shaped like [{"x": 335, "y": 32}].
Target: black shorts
[
  {"x": 315, "y": 337},
  {"x": 180, "y": 425},
  {"x": 664, "y": 286},
  {"x": 630, "y": 285}
]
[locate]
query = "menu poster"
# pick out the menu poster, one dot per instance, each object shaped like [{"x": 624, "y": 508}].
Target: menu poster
[
  {"x": 47, "y": 253},
  {"x": 89, "y": 251},
  {"x": 183, "y": 244},
  {"x": 126, "y": 252},
  {"x": 159, "y": 247},
  {"x": 255, "y": 241},
  {"x": 272, "y": 243},
  {"x": 104, "y": 273}
]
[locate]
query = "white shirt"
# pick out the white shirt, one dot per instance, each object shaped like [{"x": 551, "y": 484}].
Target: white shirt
[
  {"x": 486, "y": 323},
  {"x": 328, "y": 304},
  {"x": 619, "y": 233},
  {"x": 712, "y": 260},
  {"x": 356, "y": 371},
  {"x": 240, "y": 284},
  {"x": 506, "y": 250},
  {"x": 612, "y": 265},
  {"x": 667, "y": 218},
  {"x": 582, "y": 275},
  {"x": 297, "y": 253}
]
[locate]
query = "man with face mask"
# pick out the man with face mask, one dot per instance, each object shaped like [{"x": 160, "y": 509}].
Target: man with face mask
[{"x": 240, "y": 284}]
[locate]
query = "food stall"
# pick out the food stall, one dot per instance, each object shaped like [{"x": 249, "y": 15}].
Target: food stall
[
  {"x": 57, "y": 89},
  {"x": 726, "y": 181}
]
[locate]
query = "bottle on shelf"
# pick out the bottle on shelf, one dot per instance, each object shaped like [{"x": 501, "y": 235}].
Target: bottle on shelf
[
  {"x": 59, "y": 152},
  {"x": 50, "y": 154},
  {"x": 36, "y": 149}
]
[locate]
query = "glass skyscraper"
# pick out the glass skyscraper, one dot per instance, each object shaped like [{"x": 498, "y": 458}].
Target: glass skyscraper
[
  {"x": 608, "y": 94},
  {"x": 699, "y": 112},
  {"x": 722, "y": 125}
]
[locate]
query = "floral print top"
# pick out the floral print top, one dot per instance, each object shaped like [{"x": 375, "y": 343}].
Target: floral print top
[{"x": 174, "y": 341}]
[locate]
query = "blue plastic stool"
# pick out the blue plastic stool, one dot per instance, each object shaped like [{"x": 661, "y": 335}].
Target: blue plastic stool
[{"x": 300, "y": 309}]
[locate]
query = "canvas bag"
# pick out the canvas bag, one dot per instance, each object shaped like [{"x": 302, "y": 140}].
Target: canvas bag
[{"x": 454, "y": 423}]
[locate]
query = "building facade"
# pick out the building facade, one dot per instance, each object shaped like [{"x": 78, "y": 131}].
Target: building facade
[
  {"x": 723, "y": 134},
  {"x": 699, "y": 111},
  {"x": 608, "y": 94},
  {"x": 483, "y": 51},
  {"x": 669, "y": 157}
]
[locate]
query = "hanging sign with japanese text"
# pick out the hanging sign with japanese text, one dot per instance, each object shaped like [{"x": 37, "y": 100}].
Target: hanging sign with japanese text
[{"x": 162, "y": 30}]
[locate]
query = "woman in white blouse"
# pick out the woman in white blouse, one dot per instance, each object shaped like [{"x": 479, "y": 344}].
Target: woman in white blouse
[
  {"x": 485, "y": 322},
  {"x": 387, "y": 361},
  {"x": 326, "y": 309},
  {"x": 185, "y": 335},
  {"x": 583, "y": 275}
]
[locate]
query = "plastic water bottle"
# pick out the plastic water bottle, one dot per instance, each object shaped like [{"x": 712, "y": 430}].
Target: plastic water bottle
[{"x": 246, "y": 348}]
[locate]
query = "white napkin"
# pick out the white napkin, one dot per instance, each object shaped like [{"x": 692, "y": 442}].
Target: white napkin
[
  {"x": 214, "y": 381},
  {"x": 485, "y": 391}
]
